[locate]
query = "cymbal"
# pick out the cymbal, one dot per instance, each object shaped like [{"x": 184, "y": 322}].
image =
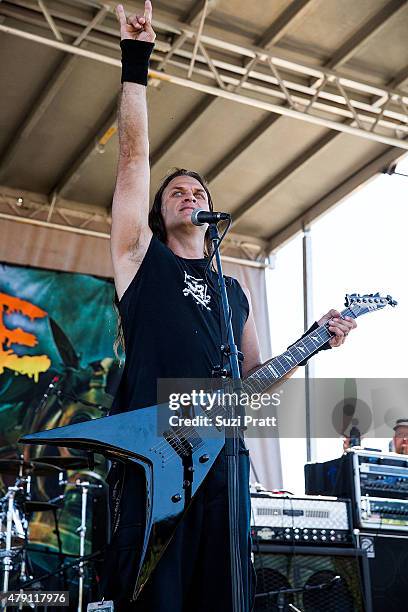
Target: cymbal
[
  {"x": 40, "y": 506},
  {"x": 64, "y": 463},
  {"x": 19, "y": 467}
]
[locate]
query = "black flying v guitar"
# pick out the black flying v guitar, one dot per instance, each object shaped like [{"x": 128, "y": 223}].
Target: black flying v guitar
[{"x": 177, "y": 460}]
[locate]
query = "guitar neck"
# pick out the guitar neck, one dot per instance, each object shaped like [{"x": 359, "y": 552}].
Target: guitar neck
[{"x": 276, "y": 368}]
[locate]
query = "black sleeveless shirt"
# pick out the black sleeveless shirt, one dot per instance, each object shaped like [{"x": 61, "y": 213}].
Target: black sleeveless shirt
[{"x": 171, "y": 322}]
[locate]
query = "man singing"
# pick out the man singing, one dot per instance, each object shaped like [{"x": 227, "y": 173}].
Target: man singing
[{"x": 170, "y": 317}]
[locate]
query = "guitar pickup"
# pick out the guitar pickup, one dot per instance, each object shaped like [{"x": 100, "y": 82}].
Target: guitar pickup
[{"x": 180, "y": 443}]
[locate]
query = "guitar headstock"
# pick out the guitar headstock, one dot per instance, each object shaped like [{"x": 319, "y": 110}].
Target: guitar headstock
[{"x": 361, "y": 304}]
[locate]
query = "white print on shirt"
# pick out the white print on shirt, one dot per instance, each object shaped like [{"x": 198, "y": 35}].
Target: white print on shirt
[{"x": 198, "y": 289}]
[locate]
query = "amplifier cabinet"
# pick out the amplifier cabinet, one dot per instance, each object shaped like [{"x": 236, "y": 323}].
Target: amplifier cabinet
[
  {"x": 388, "y": 563},
  {"x": 304, "y": 567}
]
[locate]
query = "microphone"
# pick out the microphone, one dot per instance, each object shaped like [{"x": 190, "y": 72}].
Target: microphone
[{"x": 199, "y": 217}]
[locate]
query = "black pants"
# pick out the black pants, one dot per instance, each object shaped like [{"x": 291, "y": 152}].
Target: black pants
[{"x": 194, "y": 572}]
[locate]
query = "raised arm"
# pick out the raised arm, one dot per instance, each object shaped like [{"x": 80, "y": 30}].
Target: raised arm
[{"x": 130, "y": 235}]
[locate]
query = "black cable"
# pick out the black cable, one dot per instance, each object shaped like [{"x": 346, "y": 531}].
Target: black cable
[
  {"x": 215, "y": 288},
  {"x": 77, "y": 400},
  {"x": 78, "y": 560},
  {"x": 229, "y": 223}
]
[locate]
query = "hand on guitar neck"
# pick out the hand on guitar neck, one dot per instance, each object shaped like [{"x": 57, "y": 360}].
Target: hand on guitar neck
[{"x": 338, "y": 325}]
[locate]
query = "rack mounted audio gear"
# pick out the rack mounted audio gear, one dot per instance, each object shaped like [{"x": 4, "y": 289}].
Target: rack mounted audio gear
[{"x": 376, "y": 482}]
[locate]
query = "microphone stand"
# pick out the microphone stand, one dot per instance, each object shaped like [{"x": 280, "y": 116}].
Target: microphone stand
[{"x": 232, "y": 438}]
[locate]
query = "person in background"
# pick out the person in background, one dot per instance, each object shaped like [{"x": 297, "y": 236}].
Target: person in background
[{"x": 399, "y": 443}]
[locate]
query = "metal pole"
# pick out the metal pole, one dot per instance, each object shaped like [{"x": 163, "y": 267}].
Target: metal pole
[
  {"x": 197, "y": 41},
  {"x": 12, "y": 518},
  {"x": 95, "y": 234},
  {"x": 82, "y": 535},
  {"x": 215, "y": 91},
  {"x": 50, "y": 21},
  {"x": 7, "y": 559},
  {"x": 232, "y": 438},
  {"x": 307, "y": 321}
]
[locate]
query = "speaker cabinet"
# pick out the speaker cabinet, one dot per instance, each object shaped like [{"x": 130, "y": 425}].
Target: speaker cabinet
[
  {"x": 300, "y": 568},
  {"x": 388, "y": 562}
]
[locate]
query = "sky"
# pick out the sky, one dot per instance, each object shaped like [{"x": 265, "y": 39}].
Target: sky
[{"x": 360, "y": 246}]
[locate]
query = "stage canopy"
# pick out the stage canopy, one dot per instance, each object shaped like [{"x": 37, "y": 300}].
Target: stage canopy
[{"x": 285, "y": 106}]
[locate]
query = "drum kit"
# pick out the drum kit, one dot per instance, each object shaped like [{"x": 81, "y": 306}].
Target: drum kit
[{"x": 16, "y": 513}]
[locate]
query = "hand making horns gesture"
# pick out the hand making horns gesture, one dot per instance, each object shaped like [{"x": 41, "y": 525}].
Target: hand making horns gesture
[{"x": 136, "y": 27}]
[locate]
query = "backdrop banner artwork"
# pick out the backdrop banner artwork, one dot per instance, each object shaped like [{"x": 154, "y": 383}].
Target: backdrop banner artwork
[{"x": 55, "y": 327}]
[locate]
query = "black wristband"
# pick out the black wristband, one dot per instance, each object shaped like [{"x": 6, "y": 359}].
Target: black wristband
[
  {"x": 135, "y": 60},
  {"x": 325, "y": 346}
]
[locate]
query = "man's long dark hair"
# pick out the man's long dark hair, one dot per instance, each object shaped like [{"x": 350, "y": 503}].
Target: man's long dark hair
[{"x": 156, "y": 224}]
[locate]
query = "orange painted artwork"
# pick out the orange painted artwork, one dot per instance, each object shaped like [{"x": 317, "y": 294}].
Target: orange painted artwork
[{"x": 28, "y": 365}]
